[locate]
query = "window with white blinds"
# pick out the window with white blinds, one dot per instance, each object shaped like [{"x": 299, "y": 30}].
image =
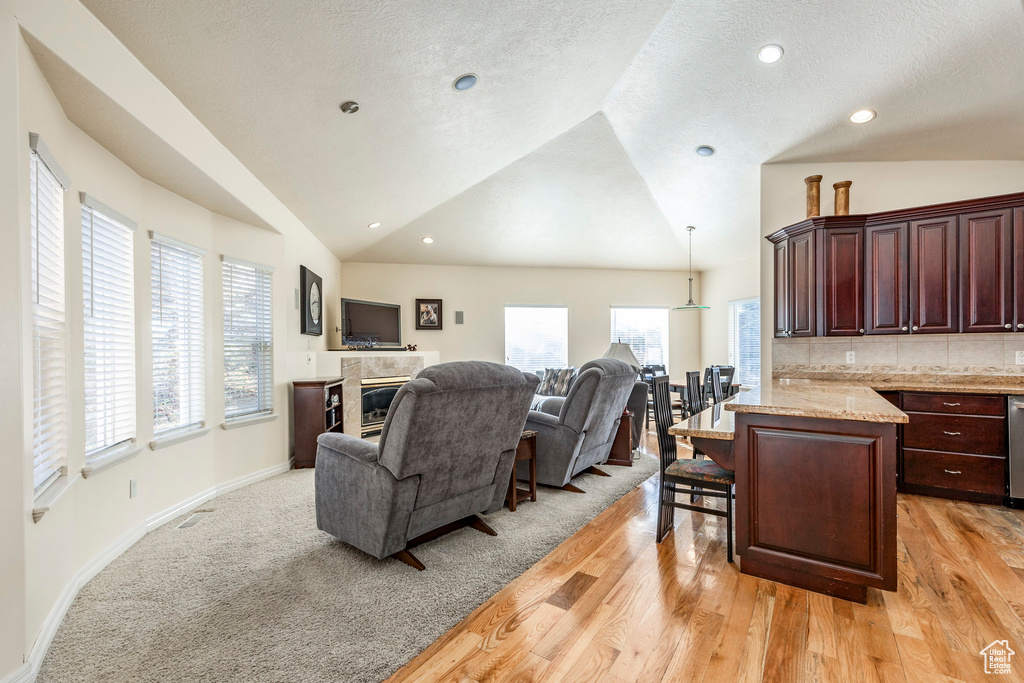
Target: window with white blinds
[
  {"x": 248, "y": 339},
  {"x": 536, "y": 337},
  {"x": 646, "y": 332},
  {"x": 49, "y": 365},
  {"x": 745, "y": 341},
  {"x": 178, "y": 368},
  {"x": 108, "y": 281}
]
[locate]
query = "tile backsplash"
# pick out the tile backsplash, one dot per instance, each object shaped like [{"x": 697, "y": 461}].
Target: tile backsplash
[{"x": 952, "y": 354}]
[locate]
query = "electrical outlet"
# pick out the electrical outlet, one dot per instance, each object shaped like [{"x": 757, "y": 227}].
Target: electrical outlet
[
  {"x": 851, "y": 356},
  {"x": 309, "y": 359},
  {"x": 1020, "y": 358},
  {"x": 133, "y": 488}
]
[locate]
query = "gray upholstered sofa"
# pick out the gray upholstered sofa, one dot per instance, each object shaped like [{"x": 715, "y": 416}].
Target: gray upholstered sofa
[
  {"x": 576, "y": 432},
  {"x": 445, "y": 453}
]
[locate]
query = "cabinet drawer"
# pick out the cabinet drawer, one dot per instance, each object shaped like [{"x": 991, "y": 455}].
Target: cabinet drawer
[
  {"x": 958, "y": 433},
  {"x": 955, "y": 403},
  {"x": 955, "y": 471}
]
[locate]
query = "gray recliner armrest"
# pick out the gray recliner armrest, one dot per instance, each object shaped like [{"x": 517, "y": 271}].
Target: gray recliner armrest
[
  {"x": 536, "y": 419},
  {"x": 551, "y": 406},
  {"x": 350, "y": 446}
]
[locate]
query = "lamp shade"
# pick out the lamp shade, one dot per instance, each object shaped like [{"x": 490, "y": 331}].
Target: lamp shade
[{"x": 621, "y": 351}]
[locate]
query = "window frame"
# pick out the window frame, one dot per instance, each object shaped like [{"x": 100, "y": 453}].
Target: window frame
[
  {"x": 733, "y": 341},
  {"x": 114, "y": 332},
  {"x": 195, "y": 422},
  {"x": 666, "y": 344},
  {"x": 505, "y": 335},
  {"x": 263, "y": 277},
  {"x": 49, "y": 320}
]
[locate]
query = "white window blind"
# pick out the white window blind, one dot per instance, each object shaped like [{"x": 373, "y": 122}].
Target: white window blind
[
  {"x": 178, "y": 369},
  {"x": 745, "y": 340},
  {"x": 537, "y": 337},
  {"x": 248, "y": 339},
  {"x": 646, "y": 332},
  {"x": 49, "y": 373},
  {"x": 109, "y": 322}
]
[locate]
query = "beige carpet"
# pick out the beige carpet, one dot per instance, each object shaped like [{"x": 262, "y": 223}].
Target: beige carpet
[{"x": 255, "y": 592}]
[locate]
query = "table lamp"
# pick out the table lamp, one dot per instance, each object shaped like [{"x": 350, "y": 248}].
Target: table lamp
[{"x": 620, "y": 351}]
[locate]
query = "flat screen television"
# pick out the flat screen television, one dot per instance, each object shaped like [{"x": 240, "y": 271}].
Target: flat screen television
[{"x": 369, "y": 324}]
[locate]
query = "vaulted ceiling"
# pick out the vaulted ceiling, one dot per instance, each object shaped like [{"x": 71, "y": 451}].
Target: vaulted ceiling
[{"x": 576, "y": 147}]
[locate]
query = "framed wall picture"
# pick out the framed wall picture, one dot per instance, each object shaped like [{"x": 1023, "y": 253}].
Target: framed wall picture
[
  {"x": 312, "y": 314},
  {"x": 428, "y": 314}
]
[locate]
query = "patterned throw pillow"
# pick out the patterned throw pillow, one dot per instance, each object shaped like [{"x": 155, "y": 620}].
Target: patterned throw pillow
[{"x": 556, "y": 381}]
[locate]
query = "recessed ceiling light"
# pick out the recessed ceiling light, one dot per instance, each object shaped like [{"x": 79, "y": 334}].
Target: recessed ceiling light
[
  {"x": 862, "y": 116},
  {"x": 705, "y": 150},
  {"x": 769, "y": 54},
  {"x": 428, "y": 240},
  {"x": 349, "y": 107},
  {"x": 375, "y": 224},
  {"x": 464, "y": 82}
]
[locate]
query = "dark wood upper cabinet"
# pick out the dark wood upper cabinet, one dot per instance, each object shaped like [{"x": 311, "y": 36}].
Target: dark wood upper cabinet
[
  {"x": 886, "y": 304},
  {"x": 933, "y": 276},
  {"x": 842, "y": 282},
  {"x": 802, "y": 299},
  {"x": 986, "y": 271},
  {"x": 782, "y": 289},
  {"x": 1018, "y": 267}
]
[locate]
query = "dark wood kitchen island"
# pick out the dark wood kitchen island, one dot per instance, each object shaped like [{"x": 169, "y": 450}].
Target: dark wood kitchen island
[{"x": 815, "y": 465}]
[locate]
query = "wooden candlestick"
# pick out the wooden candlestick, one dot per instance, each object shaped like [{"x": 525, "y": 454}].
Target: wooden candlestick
[
  {"x": 813, "y": 195},
  {"x": 843, "y": 197}
]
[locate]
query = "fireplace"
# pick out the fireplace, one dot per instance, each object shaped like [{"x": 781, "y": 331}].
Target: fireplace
[{"x": 377, "y": 393}]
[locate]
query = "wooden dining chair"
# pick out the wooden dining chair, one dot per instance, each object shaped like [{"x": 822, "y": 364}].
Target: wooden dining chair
[
  {"x": 694, "y": 396},
  {"x": 728, "y": 374},
  {"x": 712, "y": 385},
  {"x": 686, "y": 475}
]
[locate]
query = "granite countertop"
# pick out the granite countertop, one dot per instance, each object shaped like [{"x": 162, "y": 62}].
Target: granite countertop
[
  {"x": 947, "y": 386},
  {"x": 828, "y": 399},
  {"x": 713, "y": 423}
]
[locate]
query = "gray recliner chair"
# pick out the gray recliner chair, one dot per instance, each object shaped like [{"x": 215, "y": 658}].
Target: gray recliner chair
[
  {"x": 445, "y": 453},
  {"x": 576, "y": 433}
]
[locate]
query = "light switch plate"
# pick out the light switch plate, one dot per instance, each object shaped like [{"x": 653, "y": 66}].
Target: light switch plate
[
  {"x": 1020, "y": 357},
  {"x": 133, "y": 488},
  {"x": 851, "y": 357},
  {"x": 459, "y": 319}
]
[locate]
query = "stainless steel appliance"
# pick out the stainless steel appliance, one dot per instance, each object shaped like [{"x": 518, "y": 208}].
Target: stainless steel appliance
[{"x": 1015, "y": 419}]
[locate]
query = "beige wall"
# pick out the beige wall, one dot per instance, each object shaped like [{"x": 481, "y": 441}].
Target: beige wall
[
  {"x": 722, "y": 285},
  {"x": 38, "y": 561},
  {"x": 877, "y": 186},
  {"x": 483, "y": 292}
]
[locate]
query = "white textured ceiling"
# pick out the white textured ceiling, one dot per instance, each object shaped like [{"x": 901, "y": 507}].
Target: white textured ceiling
[{"x": 519, "y": 170}]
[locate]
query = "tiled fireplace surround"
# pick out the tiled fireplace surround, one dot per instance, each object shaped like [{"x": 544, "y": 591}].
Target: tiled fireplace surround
[{"x": 954, "y": 355}]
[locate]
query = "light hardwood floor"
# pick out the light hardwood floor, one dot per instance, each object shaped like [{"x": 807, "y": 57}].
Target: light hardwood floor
[{"x": 610, "y": 604}]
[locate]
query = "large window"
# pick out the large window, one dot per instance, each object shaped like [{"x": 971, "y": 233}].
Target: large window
[
  {"x": 178, "y": 380},
  {"x": 49, "y": 372},
  {"x": 109, "y": 344},
  {"x": 248, "y": 339},
  {"x": 646, "y": 332},
  {"x": 537, "y": 337},
  {"x": 745, "y": 340}
]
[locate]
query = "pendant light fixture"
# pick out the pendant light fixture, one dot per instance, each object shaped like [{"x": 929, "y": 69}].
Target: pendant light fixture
[{"x": 690, "y": 306}]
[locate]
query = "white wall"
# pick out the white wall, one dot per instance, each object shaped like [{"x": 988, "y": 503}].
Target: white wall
[
  {"x": 482, "y": 293},
  {"x": 721, "y": 285},
  {"x": 877, "y": 186},
  {"x": 38, "y": 561}
]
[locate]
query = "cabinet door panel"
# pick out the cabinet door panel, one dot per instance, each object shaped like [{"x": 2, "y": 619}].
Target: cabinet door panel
[
  {"x": 986, "y": 262},
  {"x": 933, "y": 276},
  {"x": 843, "y": 290},
  {"x": 1018, "y": 266},
  {"x": 886, "y": 304},
  {"x": 802, "y": 311},
  {"x": 782, "y": 289}
]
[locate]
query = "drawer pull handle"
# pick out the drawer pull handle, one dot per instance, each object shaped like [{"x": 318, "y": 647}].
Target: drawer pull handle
[
  {"x": 951, "y": 433},
  {"x": 952, "y": 471},
  {"x": 950, "y": 404}
]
